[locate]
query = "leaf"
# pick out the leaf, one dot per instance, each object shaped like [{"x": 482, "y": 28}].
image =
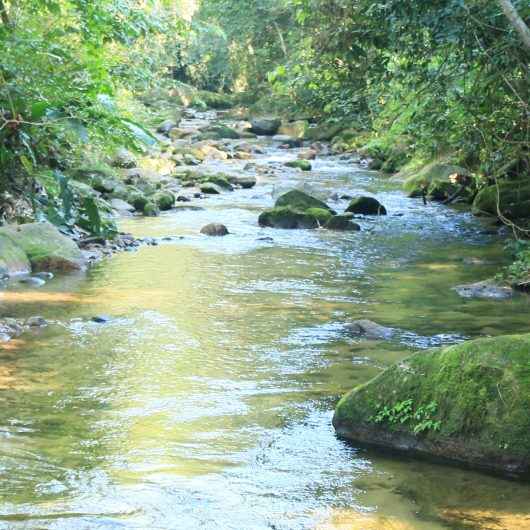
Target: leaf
[
  {"x": 140, "y": 133},
  {"x": 38, "y": 110}
]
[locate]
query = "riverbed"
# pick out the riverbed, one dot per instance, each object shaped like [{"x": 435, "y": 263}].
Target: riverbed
[{"x": 206, "y": 400}]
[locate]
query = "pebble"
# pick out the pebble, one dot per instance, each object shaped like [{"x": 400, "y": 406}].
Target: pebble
[
  {"x": 31, "y": 280},
  {"x": 36, "y": 322},
  {"x": 44, "y": 275},
  {"x": 101, "y": 319}
]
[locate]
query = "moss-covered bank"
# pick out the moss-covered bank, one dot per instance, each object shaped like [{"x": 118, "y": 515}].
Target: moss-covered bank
[{"x": 467, "y": 404}]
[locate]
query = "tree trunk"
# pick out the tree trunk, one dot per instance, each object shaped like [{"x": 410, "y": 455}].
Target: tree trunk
[
  {"x": 3, "y": 13},
  {"x": 517, "y": 22}
]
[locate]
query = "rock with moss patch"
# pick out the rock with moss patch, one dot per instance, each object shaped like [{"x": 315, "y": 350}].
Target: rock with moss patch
[
  {"x": 124, "y": 159},
  {"x": 512, "y": 198},
  {"x": 209, "y": 188},
  {"x": 435, "y": 181},
  {"x": 13, "y": 260},
  {"x": 45, "y": 247},
  {"x": 468, "y": 404},
  {"x": 164, "y": 200},
  {"x": 366, "y": 206},
  {"x": 304, "y": 165},
  {"x": 294, "y": 129},
  {"x": 488, "y": 289},
  {"x": 342, "y": 223},
  {"x": 215, "y": 230},
  {"x": 220, "y": 180},
  {"x": 287, "y": 218},
  {"x": 219, "y": 131},
  {"x": 324, "y": 132},
  {"x": 298, "y": 200},
  {"x": 138, "y": 201},
  {"x": 245, "y": 182},
  {"x": 150, "y": 209}
]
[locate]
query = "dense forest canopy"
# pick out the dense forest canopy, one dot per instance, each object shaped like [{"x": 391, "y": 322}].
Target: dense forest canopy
[{"x": 416, "y": 80}]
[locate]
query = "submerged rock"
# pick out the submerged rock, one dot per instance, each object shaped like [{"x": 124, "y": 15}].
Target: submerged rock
[
  {"x": 485, "y": 289},
  {"x": 215, "y": 230},
  {"x": 36, "y": 322},
  {"x": 101, "y": 319},
  {"x": 209, "y": 188},
  {"x": 468, "y": 404},
  {"x": 46, "y": 248},
  {"x": 369, "y": 329},
  {"x": 342, "y": 223},
  {"x": 366, "y": 206},
  {"x": 35, "y": 282}
]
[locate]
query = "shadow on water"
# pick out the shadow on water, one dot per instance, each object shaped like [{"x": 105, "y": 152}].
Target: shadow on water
[{"x": 206, "y": 401}]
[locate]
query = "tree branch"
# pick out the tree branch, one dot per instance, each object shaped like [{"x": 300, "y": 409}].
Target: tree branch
[{"x": 517, "y": 22}]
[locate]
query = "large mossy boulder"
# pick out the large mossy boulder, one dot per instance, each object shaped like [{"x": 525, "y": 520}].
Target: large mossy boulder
[
  {"x": 512, "y": 198},
  {"x": 265, "y": 126},
  {"x": 13, "y": 260},
  {"x": 366, "y": 206},
  {"x": 298, "y": 200},
  {"x": 468, "y": 404},
  {"x": 289, "y": 218},
  {"x": 219, "y": 132},
  {"x": 435, "y": 181},
  {"x": 164, "y": 200},
  {"x": 325, "y": 132},
  {"x": 46, "y": 248},
  {"x": 296, "y": 209},
  {"x": 294, "y": 129}
]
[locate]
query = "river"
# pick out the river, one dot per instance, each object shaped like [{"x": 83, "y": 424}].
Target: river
[{"x": 206, "y": 401}]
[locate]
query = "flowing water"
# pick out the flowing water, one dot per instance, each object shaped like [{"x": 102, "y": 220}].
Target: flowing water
[{"x": 206, "y": 402}]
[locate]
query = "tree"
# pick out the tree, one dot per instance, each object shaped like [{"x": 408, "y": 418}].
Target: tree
[{"x": 517, "y": 22}]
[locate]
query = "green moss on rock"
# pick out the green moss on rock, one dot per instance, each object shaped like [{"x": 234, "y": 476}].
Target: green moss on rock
[
  {"x": 164, "y": 200},
  {"x": 151, "y": 209},
  {"x": 304, "y": 165},
  {"x": 13, "y": 260},
  {"x": 468, "y": 404},
  {"x": 511, "y": 197},
  {"x": 321, "y": 215},
  {"x": 46, "y": 248},
  {"x": 366, "y": 206},
  {"x": 433, "y": 181},
  {"x": 298, "y": 200},
  {"x": 287, "y": 218}
]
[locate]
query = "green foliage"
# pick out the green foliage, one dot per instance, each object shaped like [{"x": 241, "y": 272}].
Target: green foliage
[{"x": 420, "y": 419}]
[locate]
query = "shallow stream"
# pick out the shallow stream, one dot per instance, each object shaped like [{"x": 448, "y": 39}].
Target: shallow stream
[{"x": 206, "y": 401}]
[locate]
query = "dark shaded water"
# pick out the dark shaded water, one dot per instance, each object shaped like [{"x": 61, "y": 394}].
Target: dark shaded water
[{"x": 207, "y": 401}]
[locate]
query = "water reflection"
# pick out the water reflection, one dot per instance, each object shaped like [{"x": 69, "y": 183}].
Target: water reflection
[{"x": 206, "y": 401}]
